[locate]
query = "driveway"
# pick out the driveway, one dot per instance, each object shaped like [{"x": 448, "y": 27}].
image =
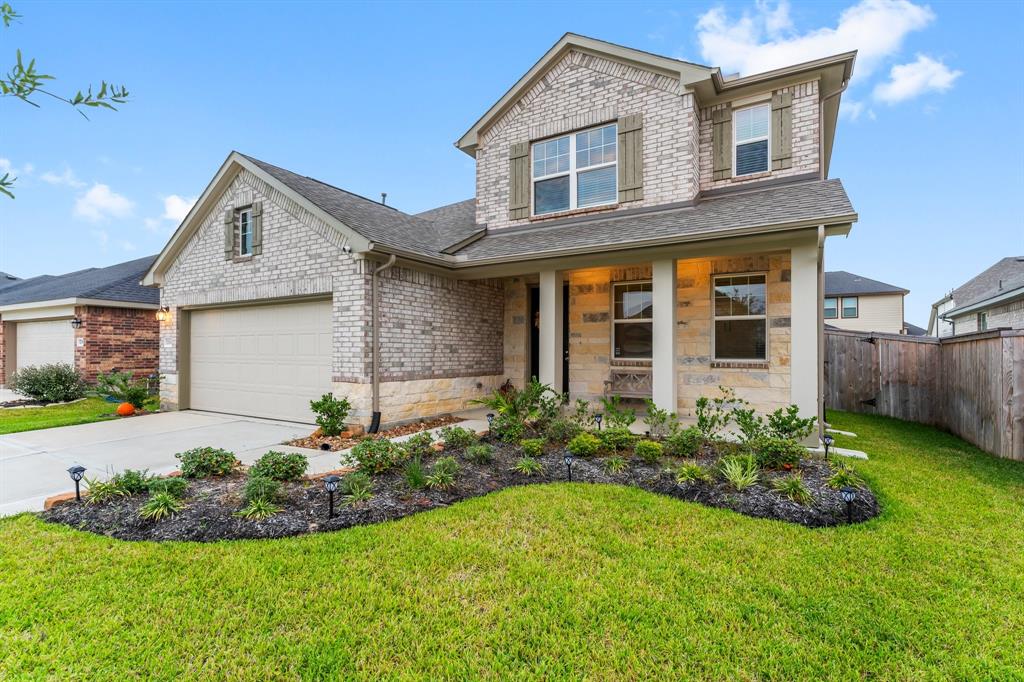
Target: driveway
[{"x": 33, "y": 464}]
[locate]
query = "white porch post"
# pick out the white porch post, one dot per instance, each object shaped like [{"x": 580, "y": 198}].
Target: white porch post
[
  {"x": 550, "y": 360},
  {"x": 804, "y": 309},
  {"x": 663, "y": 370}
]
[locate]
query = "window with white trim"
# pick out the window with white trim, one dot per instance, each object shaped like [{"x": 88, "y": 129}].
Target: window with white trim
[
  {"x": 740, "y": 317},
  {"x": 831, "y": 308},
  {"x": 851, "y": 307},
  {"x": 632, "y": 320},
  {"x": 575, "y": 171},
  {"x": 982, "y": 322},
  {"x": 245, "y": 232},
  {"x": 751, "y": 127}
]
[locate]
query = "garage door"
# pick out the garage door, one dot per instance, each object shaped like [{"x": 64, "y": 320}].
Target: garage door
[
  {"x": 43, "y": 343},
  {"x": 264, "y": 361}
]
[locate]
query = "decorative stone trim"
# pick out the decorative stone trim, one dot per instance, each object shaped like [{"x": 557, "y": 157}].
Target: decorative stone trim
[{"x": 720, "y": 364}]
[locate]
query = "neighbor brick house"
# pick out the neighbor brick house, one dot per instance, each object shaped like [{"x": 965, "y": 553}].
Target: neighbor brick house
[
  {"x": 641, "y": 226},
  {"x": 98, "y": 320},
  {"x": 994, "y": 298}
]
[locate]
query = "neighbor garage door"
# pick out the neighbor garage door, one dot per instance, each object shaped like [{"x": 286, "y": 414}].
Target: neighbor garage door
[
  {"x": 43, "y": 343},
  {"x": 262, "y": 360}
]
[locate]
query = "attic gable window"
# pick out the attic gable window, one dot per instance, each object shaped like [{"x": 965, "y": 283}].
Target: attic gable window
[
  {"x": 751, "y": 128},
  {"x": 575, "y": 171},
  {"x": 245, "y": 232}
]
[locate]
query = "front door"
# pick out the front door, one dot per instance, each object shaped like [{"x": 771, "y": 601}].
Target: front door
[{"x": 535, "y": 334}]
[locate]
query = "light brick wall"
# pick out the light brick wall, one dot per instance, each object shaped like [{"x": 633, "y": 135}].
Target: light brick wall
[
  {"x": 5, "y": 327},
  {"x": 122, "y": 339},
  {"x": 517, "y": 330},
  {"x": 1009, "y": 315}
]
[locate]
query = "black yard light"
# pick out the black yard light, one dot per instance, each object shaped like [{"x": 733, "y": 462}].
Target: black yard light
[
  {"x": 597, "y": 418},
  {"x": 331, "y": 485},
  {"x": 849, "y": 495},
  {"x": 490, "y": 422},
  {"x": 567, "y": 458},
  {"x": 77, "y": 472},
  {"x": 828, "y": 441}
]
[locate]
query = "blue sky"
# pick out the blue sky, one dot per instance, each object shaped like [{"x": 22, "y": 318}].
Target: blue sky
[{"x": 371, "y": 98}]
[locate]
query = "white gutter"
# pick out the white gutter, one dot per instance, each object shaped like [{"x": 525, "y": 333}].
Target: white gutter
[
  {"x": 985, "y": 303},
  {"x": 76, "y": 301}
]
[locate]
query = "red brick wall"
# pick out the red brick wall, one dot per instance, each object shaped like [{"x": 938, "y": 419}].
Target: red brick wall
[{"x": 122, "y": 339}]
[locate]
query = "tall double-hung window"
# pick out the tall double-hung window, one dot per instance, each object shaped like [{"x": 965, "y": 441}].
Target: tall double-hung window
[
  {"x": 751, "y": 127},
  {"x": 575, "y": 171}
]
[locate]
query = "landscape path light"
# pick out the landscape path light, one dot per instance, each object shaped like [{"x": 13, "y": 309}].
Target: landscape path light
[
  {"x": 331, "y": 485},
  {"x": 76, "y": 473},
  {"x": 567, "y": 458},
  {"x": 597, "y": 418},
  {"x": 828, "y": 441},
  {"x": 490, "y": 422},
  {"x": 849, "y": 495}
]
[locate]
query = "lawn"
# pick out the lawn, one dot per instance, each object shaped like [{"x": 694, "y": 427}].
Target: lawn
[
  {"x": 31, "y": 418},
  {"x": 560, "y": 581}
]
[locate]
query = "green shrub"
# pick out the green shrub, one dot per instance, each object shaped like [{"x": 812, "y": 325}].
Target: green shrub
[
  {"x": 516, "y": 409},
  {"x": 562, "y": 430},
  {"x": 356, "y": 487},
  {"x": 788, "y": 424},
  {"x": 740, "y": 471},
  {"x": 57, "y": 383},
  {"x": 689, "y": 472},
  {"x": 751, "y": 425},
  {"x": 715, "y": 414},
  {"x": 660, "y": 422},
  {"x": 261, "y": 488},
  {"x": 415, "y": 474},
  {"x": 456, "y": 437},
  {"x": 204, "y": 462},
  {"x": 331, "y": 413},
  {"x": 280, "y": 466},
  {"x": 648, "y": 451},
  {"x": 121, "y": 387},
  {"x": 615, "y": 464},
  {"x": 584, "y": 445},
  {"x": 376, "y": 456},
  {"x": 131, "y": 481},
  {"x": 843, "y": 475},
  {"x": 419, "y": 445},
  {"x": 616, "y": 439},
  {"x": 581, "y": 416},
  {"x": 793, "y": 487},
  {"x": 174, "y": 486},
  {"x": 776, "y": 453},
  {"x": 684, "y": 443},
  {"x": 160, "y": 506},
  {"x": 258, "y": 510},
  {"x": 508, "y": 429},
  {"x": 443, "y": 473},
  {"x": 615, "y": 415},
  {"x": 532, "y": 447},
  {"x": 101, "y": 492},
  {"x": 481, "y": 453},
  {"x": 528, "y": 466}
]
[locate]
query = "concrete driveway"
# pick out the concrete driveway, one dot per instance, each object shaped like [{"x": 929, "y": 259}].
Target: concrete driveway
[{"x": 33, "y": 464}]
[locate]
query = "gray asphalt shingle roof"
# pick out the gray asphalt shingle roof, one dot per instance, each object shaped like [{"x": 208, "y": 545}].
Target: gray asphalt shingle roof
[
  {"x": 7, "y": 280},
  {"x": 114, "y": 283},
  {"x": 1007, "y": 272},
  {"x": 842, "y": 283}
]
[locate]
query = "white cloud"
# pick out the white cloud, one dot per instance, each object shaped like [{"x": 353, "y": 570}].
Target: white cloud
[
  {"x": 765, "y": 39},
  {"x": 101, "y": 203},
  {"x": 922, "y": 75},
  {"x": 66, "y": 178},
  {"x": 6, "y": 166},
  {"x": 176, "y": 207},
  {"x": 101, "y": 238},
  {"x": 151, "y": 224},
  {"x": 851, "y": 109}
]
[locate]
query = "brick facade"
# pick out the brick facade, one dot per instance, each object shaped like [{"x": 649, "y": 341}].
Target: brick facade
[
  {"x": 1008, "y": 315},
  {"x": 121, "y": 339},
  {"x": 4, "y": 326}
]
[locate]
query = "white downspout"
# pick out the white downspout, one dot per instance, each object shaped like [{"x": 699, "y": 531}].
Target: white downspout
[{"x": 375, "y": 342}]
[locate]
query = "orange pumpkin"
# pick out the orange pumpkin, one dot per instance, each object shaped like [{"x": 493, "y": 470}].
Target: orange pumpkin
[{"x": 126, "y": 409}]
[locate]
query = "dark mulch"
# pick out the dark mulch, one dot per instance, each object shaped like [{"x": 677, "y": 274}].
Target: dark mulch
[
  {"x": 211, "y": 503},
  {"x": 317, "y": 440},
  {"x": 23, "y": 402}
]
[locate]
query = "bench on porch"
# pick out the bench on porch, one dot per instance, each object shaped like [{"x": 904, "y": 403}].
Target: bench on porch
[{"x": 629, "y": 382}]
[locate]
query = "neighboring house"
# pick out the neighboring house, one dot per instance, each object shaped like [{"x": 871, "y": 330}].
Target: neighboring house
[
  {"x": 98, "y": 320},
  {"x": 6, "y": 279},
  {"x": 642, "y": 226},
  {"x": 994, "y": 298},
  {"x": 862, "y": 304}
]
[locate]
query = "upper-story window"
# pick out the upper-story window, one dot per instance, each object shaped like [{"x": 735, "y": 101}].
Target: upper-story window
[
  {"x": 851, "y": 306},
  {"x": 831, "y": 308},
  {"x": 245, "y": 232},
  {"x": 751, "y": 126},
  {"x": 575, "y": 171}
]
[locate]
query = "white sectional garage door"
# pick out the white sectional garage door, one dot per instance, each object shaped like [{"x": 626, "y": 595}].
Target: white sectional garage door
[
  {"x": 44, "y": 343},
  {"x": 262, "y": 360}
]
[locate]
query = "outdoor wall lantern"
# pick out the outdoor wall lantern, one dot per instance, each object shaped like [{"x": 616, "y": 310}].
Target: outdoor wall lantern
[
  {"x": 76, "y": 322},
  {"x": 568, "y": 464},
  {"x": 849, "y": 495},
  {"x": 827, "y": 440},
  {"x": 77, "y": 472},
  {"x": 331, "y": 485},
  {"x": 597, "y": 418},
  {"x": 490, "y": 422},
  {"x": 163, "y": 314}
]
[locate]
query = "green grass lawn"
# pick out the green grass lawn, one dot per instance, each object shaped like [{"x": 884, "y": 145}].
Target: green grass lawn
[
  {"x": 31, "y": 418},
  {"x": 557, "y": 582}
]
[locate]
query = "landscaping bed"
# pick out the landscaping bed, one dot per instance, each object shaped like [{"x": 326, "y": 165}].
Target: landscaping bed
[{"x": 348, "y": 439}]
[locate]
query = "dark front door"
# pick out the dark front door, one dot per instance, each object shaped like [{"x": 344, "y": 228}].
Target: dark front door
[{"x": 535, "y": 335}]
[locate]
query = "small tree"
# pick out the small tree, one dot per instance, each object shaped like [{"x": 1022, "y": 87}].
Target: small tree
[{"x": 330, "y": 413}]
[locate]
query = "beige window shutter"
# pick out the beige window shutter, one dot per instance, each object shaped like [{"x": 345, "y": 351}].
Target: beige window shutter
[
  {"x": 519, "y": 181},
  {"x": 257, "y": 228},
  {"x": 631, "y": 157},
  {"x": 721, "y": 141},
  {"x": 229, "y": 233},
  {"x": 782, "y": 130}
]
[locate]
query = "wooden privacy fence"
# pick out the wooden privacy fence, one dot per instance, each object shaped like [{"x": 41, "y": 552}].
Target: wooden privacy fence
[{"x": 970, "y": 385}]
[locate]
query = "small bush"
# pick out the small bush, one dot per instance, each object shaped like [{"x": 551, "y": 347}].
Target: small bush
[
  {"x": 689, "y": 472},
  {"x": 419, "y": 445},
  {"x": 280, "y": 466},
  {"x": 57, "y": 383},
  {"x": 793, "y": 487},
  {"x": 616, "y": 439},
  {"x": 375, "y": 456},
  {"x": 331, "y": 413},
  {"x": 481, "y": 453},
  {"x": 788, "y": 424},
  {"x": 740, "y": 471},
  {"x": 101, "y": 492},
  {"x": 507, "y": 428},
  {"x": 532, "y": 447},
  {"x": 131, "y": 481},
  {"x": 456, "y": 437},
  {"x": 415, "y": 474},
  {"x": 843, "y": 475},
  {"x": 615, "y": 415},
  {"x": 615, "y": 464},
  {"x": 174, "y": 486},
  {"x": 751, "y": 425},
  {"x": 584, "y": 445},
  {"x": 715, "y": 414},
  {"x": 356, "y": 487},
  {"x": 442, "y": 475},
  {"x": 205, "y": 462},
  {"x": 776, "y": 453},
  {"x": 160, "y": 506},
  {"x": 562, "y": 430},
  {"x": 121, "y": 387},
  {"x": 648, "y": 451},
  {"x": 528, "y": 466},
  {"x": 260, "y": 488},
  {"x": 660, "y": 422},
  {"x": 684, "y": 443},
  {"x": 258, "y": 510}
]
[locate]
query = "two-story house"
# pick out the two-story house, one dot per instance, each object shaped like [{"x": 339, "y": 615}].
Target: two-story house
[
  {"x": 859, "y": 303},
  {"x": 994, "y": 298},
  {"x": 641, "y": 226}
]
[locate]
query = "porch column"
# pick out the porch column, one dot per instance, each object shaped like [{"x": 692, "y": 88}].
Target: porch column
[
  {"x": 550, "y": 360},
  {"x": 804, "y": 328},
  {"x": 664, "y": 377}
]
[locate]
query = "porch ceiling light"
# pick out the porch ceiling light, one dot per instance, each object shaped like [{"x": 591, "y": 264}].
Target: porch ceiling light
[{"x": 77, "y": 472}]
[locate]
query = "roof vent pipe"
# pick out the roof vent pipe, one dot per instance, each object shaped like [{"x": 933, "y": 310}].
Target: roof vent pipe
[
  {"x": 383, "y": 198},
  {"x": 375, "y": 341}
]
